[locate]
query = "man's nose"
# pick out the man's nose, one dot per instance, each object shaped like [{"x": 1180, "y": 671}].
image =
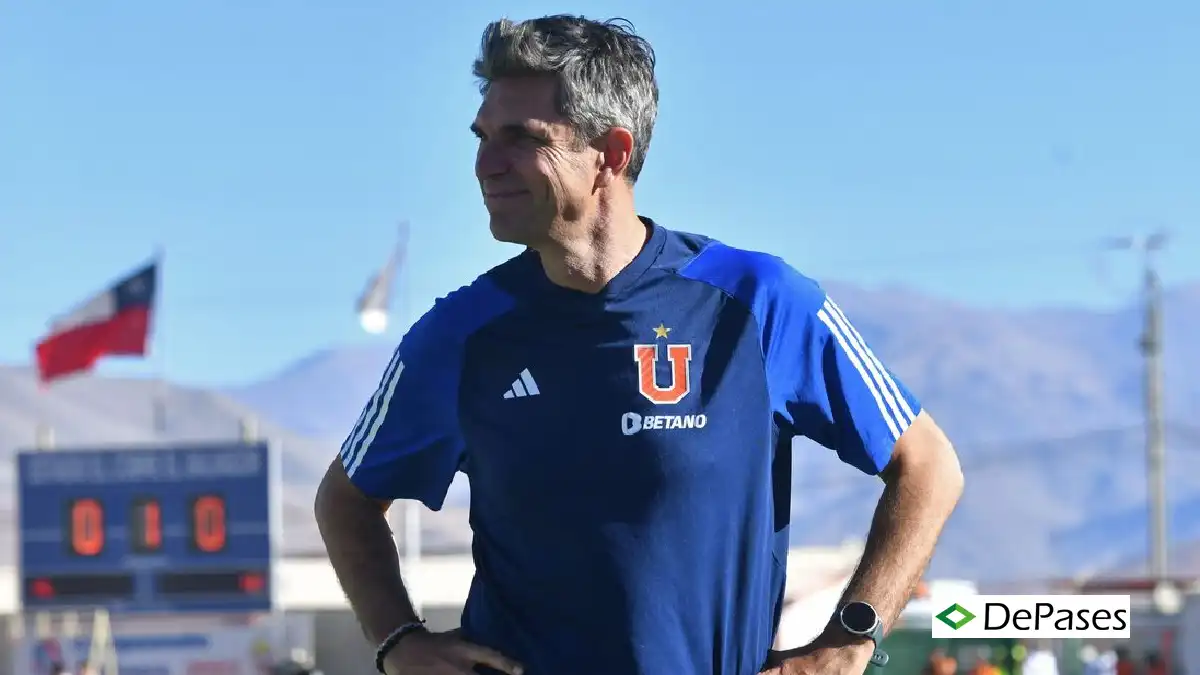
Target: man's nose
[{"x": 491, "y": 161}]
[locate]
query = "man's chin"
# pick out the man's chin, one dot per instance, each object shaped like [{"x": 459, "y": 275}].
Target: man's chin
[{"x": 509, "y": 232}]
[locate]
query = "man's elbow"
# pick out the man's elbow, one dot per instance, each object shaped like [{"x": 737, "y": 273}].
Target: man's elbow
[{"x": 949, "y": 474}]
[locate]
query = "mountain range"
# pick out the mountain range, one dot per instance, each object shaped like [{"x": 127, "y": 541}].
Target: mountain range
[{"x": 1044, "y": 406}]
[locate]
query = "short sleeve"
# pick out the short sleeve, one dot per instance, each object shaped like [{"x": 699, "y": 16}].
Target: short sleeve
[
  {"x": 824, "y": 382},
  {"x": 407, "y": 443},
  {"x": 839, "y": 393}
]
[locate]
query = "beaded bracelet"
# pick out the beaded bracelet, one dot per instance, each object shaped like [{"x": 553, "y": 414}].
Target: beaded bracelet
[{"x": 389, "y": 643}]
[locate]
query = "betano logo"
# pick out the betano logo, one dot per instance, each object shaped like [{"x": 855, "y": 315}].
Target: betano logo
[{"x": 1032, "y": 616}]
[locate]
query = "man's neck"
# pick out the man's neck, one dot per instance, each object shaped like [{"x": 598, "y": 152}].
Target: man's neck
[{"x": 592, "y": 258}]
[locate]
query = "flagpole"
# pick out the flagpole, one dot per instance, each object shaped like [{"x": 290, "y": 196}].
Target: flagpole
[
  {"x": 43, "y": 432},
  {"x": 158, "y": 397}
]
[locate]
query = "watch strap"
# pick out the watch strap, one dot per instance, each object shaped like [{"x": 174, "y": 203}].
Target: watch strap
[
  {"x": 876, "y": 633},
  {"x": 879, "y": 658}
]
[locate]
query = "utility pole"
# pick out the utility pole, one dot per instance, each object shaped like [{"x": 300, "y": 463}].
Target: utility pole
[{"x": 1151, "y": 348}]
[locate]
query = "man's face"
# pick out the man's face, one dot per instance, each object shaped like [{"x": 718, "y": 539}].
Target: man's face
[{"x": 532, "y": 170}]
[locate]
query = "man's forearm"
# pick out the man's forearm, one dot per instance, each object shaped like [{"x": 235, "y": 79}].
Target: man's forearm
[
  {"x": 363, "y": 556},
  {"x": 915, "y": 505}
]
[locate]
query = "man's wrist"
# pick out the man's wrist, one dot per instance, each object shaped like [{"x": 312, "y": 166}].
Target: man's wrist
[
  {"x": 389, "y": 644},
  {"x": 831, "y": 657},
  {"x": 835, "y": 636},
  {"x": 836, "y": 644}
]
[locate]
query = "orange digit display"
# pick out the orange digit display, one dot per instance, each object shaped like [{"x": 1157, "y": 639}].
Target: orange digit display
[
  {"x": 208, "y": 523},
  {"x": 85, "y": 522},
  {"x": 146, "y": 526}
]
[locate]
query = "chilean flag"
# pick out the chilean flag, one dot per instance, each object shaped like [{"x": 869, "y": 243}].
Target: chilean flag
[{"x": 114, "y": 322}]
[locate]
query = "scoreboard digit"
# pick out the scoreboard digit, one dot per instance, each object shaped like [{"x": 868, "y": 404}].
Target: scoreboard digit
[
  {"x": 153, "y": 529},
  {"x": 145, "y": 526},
  {"x": 208, "y": 523},
  {"x": 85, "y": 526}
]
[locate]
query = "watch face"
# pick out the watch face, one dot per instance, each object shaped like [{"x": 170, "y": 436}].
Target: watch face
[{"x": 859, "y": 618}]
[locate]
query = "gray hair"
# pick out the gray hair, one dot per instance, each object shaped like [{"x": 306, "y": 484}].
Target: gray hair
[{"x": 605, "y": 73}]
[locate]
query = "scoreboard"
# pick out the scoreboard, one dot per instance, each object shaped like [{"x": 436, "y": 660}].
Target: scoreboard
[{"x": 174, "y": 529}]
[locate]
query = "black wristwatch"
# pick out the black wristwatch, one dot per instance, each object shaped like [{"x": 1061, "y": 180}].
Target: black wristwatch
[{"x": 861, "y": 620}]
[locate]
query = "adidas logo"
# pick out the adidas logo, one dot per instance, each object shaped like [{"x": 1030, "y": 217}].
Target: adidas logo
[{"x": 523, "y": 386}]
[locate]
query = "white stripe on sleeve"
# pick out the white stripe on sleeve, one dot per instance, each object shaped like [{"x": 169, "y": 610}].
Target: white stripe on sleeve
[
  {"x": 908, "y": 415},
  {"x": 852, "y": 354},
  {"x": 383, "y": 411},
  {"x": 349, "y": 447},
  {"x": 872, "y": 364}
]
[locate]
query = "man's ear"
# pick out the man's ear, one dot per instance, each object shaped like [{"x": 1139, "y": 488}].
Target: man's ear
[{"x": 616, "y": 151}]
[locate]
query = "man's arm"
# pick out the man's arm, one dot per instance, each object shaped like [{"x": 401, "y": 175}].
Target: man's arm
[
  {"x": 364, "y": 558},
  {"x": 406, "y": 444},
  {"x": 360, "y": 546},
  {"x": 923, "y": 482},
  {"x": 837, "y": 392}
]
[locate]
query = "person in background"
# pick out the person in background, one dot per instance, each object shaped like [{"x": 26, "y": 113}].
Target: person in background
[
  {"x": 1014, "y": 656},
  {"x": 1108, "y": 660},
  {"x": 1097, "y": 661},
  {"x": 1125, "y": 664},
  {"x": 1003, "y": 661},
  {"x": 1040, "y": 661},
  {"x": 983, "y": 664},
  {"x": 1155, "y": 663},
  {"x": 940, "y": 663}
]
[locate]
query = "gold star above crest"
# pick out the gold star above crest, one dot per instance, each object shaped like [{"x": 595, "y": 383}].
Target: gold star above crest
[{"x": 661, "y": 331}]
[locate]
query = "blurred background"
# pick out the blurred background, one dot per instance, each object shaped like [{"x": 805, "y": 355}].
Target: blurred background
[{"x": 1003, "y": 196}]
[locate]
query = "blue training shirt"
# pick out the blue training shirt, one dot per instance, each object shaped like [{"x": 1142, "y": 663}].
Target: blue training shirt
[{"x": 629, "y": 452}]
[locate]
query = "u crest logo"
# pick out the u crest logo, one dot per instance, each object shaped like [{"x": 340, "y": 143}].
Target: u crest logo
[{"x": 680, "y": 357}]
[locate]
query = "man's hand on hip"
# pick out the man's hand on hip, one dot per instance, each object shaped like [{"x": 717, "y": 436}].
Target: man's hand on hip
[
  {"x": 422, "y": 653},
  {"x": 842, "y": 660}
]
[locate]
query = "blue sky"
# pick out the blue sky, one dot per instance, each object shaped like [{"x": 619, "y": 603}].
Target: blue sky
[{"x": 973, "y": 150}]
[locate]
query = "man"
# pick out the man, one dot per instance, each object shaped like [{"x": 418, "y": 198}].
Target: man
[{"x": 623, "y": 399}]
